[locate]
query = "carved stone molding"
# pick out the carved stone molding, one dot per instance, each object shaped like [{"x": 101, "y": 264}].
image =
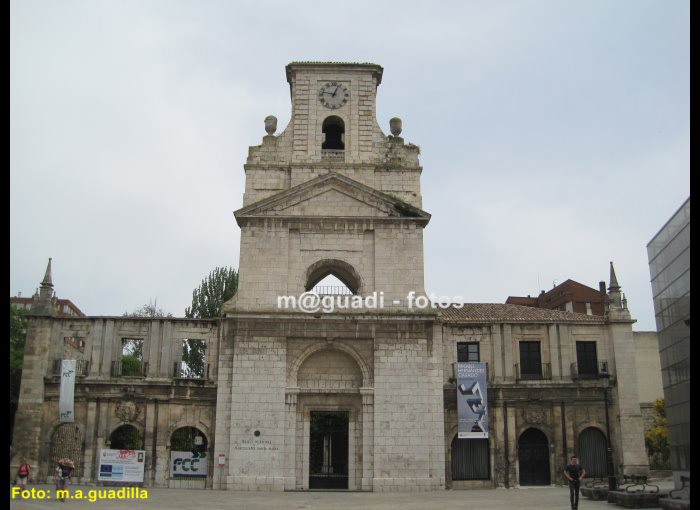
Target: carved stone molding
[
  {"x": 127, "y": 411},
  {"x": 535, "y": 416}
]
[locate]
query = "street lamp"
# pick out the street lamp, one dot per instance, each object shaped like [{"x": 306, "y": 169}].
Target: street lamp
[{"x": 612, "y": 481}]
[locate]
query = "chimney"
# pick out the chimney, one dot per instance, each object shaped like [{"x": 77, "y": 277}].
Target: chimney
[{"x": 601, "y": 286}]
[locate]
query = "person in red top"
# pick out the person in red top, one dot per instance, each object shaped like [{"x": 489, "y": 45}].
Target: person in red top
[{"x": 23, "y": 474}]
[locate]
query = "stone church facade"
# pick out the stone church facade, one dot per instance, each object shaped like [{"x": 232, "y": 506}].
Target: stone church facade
[{"x": 361, "y": 398}]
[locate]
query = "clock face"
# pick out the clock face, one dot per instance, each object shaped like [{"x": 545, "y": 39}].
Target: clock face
[{"x": 333, "y": 95}]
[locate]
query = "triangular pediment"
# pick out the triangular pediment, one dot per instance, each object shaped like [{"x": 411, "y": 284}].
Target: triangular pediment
[{"x": 332, "y": 195}]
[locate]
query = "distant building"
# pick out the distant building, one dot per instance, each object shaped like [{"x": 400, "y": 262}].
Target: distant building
[
  {"x": 62, "y": 307},
  {"x": 669, "y": 266},
  {"x": 569, "y": 296}
]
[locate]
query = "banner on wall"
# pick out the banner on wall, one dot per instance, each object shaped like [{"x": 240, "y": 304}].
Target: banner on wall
[
  {"x": 472, "y": 411},
  {"x": 122, "y": 465},
  {"x": 189, "y": 464},
  {"x": 67, "y": 391}
]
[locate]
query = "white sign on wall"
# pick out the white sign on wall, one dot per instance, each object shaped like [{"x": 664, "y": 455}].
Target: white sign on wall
[
  {"x": 122, "y": 465},
  {"x": 67, "y": 391},
  {"x": 190, "y": 464}
]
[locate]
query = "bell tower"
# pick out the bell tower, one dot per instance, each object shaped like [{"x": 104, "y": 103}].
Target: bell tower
[
  {"x": 331, "y": 190},
  {"x": 331, "y": 195}
]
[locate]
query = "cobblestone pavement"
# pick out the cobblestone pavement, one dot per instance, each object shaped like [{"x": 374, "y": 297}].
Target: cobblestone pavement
[{"x": 540, "y": 498}]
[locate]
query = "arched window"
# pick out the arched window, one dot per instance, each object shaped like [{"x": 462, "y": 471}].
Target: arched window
[
  {"x": 188, "y": 455},
  {"x": 126, "y": 437},
  {"x": 334, "y": 130},
  {"x": 470, "y": 459}
]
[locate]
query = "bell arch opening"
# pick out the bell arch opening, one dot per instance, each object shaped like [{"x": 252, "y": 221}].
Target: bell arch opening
[
  {"x": 333, "y": 129},
  {"x": 349, "y": 279}
]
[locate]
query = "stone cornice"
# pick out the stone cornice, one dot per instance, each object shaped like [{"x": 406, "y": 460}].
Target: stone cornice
[{"x": 327, "y": 165}]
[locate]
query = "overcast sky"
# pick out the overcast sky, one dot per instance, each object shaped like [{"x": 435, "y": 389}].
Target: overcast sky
[{"x": 554, "y": 136}]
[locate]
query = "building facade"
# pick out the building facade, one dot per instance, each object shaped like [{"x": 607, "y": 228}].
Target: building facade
[
  {"x": 356, "y": 391},
  {"x": 669, "y": 266}
]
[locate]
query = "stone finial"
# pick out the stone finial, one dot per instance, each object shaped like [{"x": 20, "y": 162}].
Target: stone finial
[
  {"x": 395, "y": 125},
  {"x": 613, "y": 279},
  {"x": 270, "y": 124},
  {"x": 47, "y": 276}
]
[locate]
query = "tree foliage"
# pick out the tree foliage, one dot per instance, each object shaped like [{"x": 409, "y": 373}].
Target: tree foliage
[
  {"x": 126, "y": 437},
  {"x": 656, "y": 438},
  {"x": 183, "y": 440},
  {"x": 148, "y": 310},
  {"x": 18, "y": 335},
  {"x": 194, "y": 358},
  {"x": 214, "y": 291}
]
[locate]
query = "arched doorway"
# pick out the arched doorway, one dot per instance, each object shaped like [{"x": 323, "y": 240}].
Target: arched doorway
[
  {"x": 533, "y": 458},
  {"x": 125, "y": 437},
  {"x": 189, "y": 458},
  {"x": 328, "y": 416},
  {"x": 67, "y": 442},
  {"x": 592, "y": 452}
]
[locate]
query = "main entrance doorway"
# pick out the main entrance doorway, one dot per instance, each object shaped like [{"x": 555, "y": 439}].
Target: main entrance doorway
[
  {"x": 328, "y": 450},
  {"x": 533, "y": 457}
]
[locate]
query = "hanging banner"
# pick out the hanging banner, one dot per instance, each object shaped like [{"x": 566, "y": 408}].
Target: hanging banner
[
  {"x": 472, "y": 411},
  {"x": 121, "y": 465},
  {"x": 67, "y": 391},
  {"x": 190, "y": 464}
]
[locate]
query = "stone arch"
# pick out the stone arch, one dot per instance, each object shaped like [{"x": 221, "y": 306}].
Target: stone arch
[
  {"x": 124, "y": 424},
  {"x": 205, "y": 447},
  {"x": 186, "y": 423},
  {"x": 66, "y": 442},
  {"x": 338, "y": 268},
  {"x": 313, "y": 349}
]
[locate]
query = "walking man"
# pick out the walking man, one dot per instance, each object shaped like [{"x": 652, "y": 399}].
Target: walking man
[{"x": 574, "y": 472}]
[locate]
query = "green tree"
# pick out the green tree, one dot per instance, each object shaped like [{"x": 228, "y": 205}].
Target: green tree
[
  {"x": 214, "y": 291},
  {"x": 656, "y": 438},
  {"x": 18, "y": 335}
]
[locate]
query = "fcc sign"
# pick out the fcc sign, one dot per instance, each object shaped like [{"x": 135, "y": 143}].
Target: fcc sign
[{"x": 188, "y": 464}]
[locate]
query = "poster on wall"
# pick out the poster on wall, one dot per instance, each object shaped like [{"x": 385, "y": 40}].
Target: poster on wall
[
  {"x": 122, "y": 465},
  {"x": 472, "y": 410},
  {"x": 67, "y": 391},
  {"x": 188, "y": 464}
]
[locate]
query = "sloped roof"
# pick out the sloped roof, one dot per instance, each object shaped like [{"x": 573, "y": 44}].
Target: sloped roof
[{"x": 496, "y": 312}]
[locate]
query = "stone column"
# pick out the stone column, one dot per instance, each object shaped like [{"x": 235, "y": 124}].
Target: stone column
[
  {"x": 290, "y": 400},
  {"x": 367, "y": 438}
]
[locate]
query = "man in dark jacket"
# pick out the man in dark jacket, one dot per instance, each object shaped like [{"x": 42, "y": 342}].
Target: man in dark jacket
[{"x": 574, "y": 472}]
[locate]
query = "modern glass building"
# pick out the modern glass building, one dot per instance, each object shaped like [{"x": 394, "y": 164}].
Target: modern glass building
[{"x": 669, "y": 265}]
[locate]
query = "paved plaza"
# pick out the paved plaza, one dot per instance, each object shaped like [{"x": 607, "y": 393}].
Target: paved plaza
[{"x": 540, "y": 498}]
